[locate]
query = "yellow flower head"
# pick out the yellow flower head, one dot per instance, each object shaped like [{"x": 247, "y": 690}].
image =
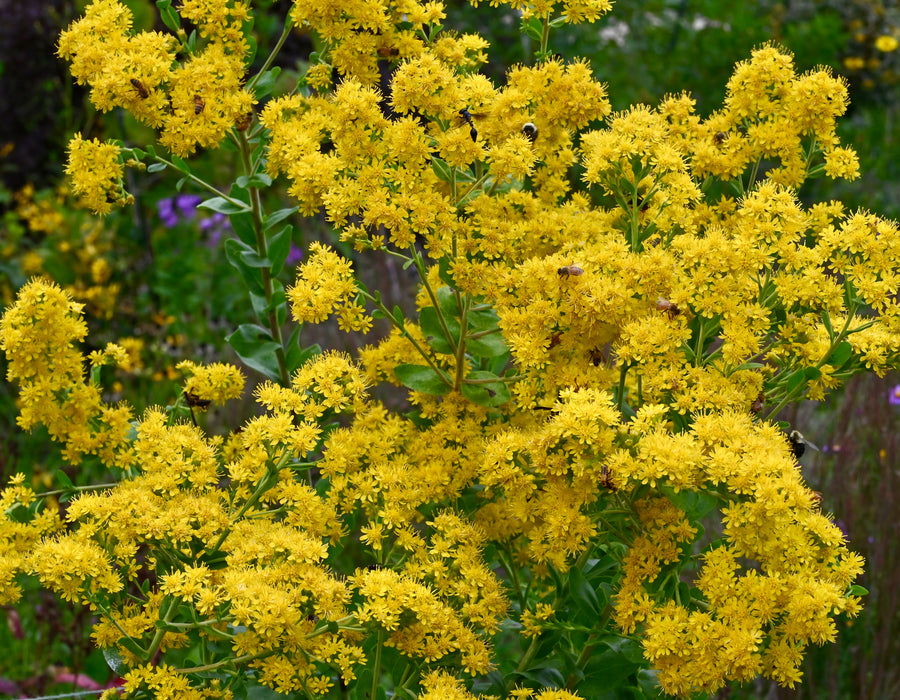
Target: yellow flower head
[
  {"x": 324, "y": 281},
  {"x": 886, "y": 43},
  {"x": 96, "y": 172},
  {"x": 217, "y": 382}
]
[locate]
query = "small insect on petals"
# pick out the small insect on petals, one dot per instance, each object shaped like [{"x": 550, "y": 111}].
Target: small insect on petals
[
  {"x": 199, "y": 104},
  {"x": 141, "y": 88},
  {"x": 530, "y": 131},
  {"x": 570, "y": 271},
  {"x": 670, "y": 309},
  {"x": 758, "y": 404}
]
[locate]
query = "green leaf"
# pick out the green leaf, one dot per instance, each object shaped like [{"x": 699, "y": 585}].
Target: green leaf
[
  {"x": 447, "y": 301},
  {"x": 63, "y": 479},
  {"x": 266, "y": 82},
  {"x": 533, "y": 28},
  {"x": 257, "y": 350},
  {"x": 298, "y": 356},
  {"x": 841, "y": 354},
  {"x": 695, "y": 505},
  {"x": 223, "y": 206},
  {"x": 430, "y": 323},
  {"x": 156, "y": 167},
  {"x": 442, "y": 169},
  {"x": 259, "y": 180},
  {"x": 235, "y": 251},
  {"x": 280, "y": 248},
  {"x": 858, "y": 590},
  {"x": 584, "y": 595},
  {"x": 169, "y": 16},
  {"x": 487, "y": 394},
  {"x": 276, "y": 217},
  {"x": 492, "y": 345},
  {"x": 483, "y": 320},
  {"x": 181, "y": 165},
  {"x": 243, "y": 227},
  {"x": 422, "y": 379}
]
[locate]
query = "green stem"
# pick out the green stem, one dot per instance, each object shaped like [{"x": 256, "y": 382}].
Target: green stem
[
  {"x": 620, "y": 399},
  {"x": 262, "y": 249},
  {"x": 513, "y": 572},
  {"x": 161, "y": 632},
  {"x": 284, "y": 35},
  {"x": 545, "y": 36},
  {"x": 376, "y": 671},
  {"x": 463, "y": 304},
  {"x": 406, "y": 334},
  {"x": 91, "y": 487},
  {"x": 265, "y": 483},
  {"x": 524, "y": 663},
  {"x": 838, "y": 339},
  {"x": 228, "y": 662},
  {"x": 423, "y": 274}
]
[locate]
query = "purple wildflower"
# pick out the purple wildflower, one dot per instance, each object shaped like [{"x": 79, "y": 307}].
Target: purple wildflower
[
  {"x": 166, "y": 210},
  {"x": 894, "y": 396},
  {"x": 295, "y": 255},
  {"x": 187, "y": 204}
]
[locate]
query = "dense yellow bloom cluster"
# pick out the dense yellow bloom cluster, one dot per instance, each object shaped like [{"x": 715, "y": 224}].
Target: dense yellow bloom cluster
[
  {"x": 96, "y": 170},
  {"x": 193, "y": 103},
  {"x": 217, "y": 382},
  {"x": 596, "y": 367}
]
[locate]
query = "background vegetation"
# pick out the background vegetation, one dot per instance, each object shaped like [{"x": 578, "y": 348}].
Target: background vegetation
[{"x": 156, "y": 273}]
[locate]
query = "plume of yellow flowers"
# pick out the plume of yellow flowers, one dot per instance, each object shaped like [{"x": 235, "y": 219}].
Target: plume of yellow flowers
[{"x": 612, "y": 311}]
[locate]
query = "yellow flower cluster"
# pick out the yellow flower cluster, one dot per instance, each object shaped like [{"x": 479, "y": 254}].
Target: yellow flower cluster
[
  {"x": 193, "y": 102},
  {"x": 38, "y": 334},
  {"x": 215, "y": 383},
  {"x": 96, "y": 171},
  {"x": 356, "y": 35},
  {"x": 324, "y": 283},
  {"x": 769, "y": 589},
  {"x": 770, "y": 112},
  {"x": 645, "y": 324}
]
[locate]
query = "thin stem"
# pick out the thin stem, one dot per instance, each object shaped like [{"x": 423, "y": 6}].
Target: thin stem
[
  {"x": 545, "y": 35},
  {"x": 202, "y": 183},
  {"x": 514, "y": 574},
  {"x": 226, "y": 662},
  {"x": 91, "y": 487},
  {"x": 423, "y": 274},
  {"x": 463, "y": 304},
  {"x": 262, "y": 248},
  {"x": 406, "y": 334},
  {"x": 284, "y": 35},
  {"x": 376, "y": 671}
]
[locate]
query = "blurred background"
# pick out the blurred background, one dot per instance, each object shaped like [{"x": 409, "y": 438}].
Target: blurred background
[{"x": 155, "y": 279}]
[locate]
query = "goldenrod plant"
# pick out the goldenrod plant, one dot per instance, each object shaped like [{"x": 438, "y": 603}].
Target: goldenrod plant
[{"x": 587, "y": 492}]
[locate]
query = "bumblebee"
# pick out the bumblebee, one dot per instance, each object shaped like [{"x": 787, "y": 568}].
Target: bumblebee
[
  {"x": 199, "y": 104},
  {"x": 195, "y": 401},
  {"x": 530, "y": 131},
  {"x": 388, "y": 51},
  {"x": 570, "y": 271},
  {"x": 467, "y": 118},
  {"x": 720, "y": 137},
  {"x": 141, "y": 88},
  {"x": 799, "y": 444}
]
